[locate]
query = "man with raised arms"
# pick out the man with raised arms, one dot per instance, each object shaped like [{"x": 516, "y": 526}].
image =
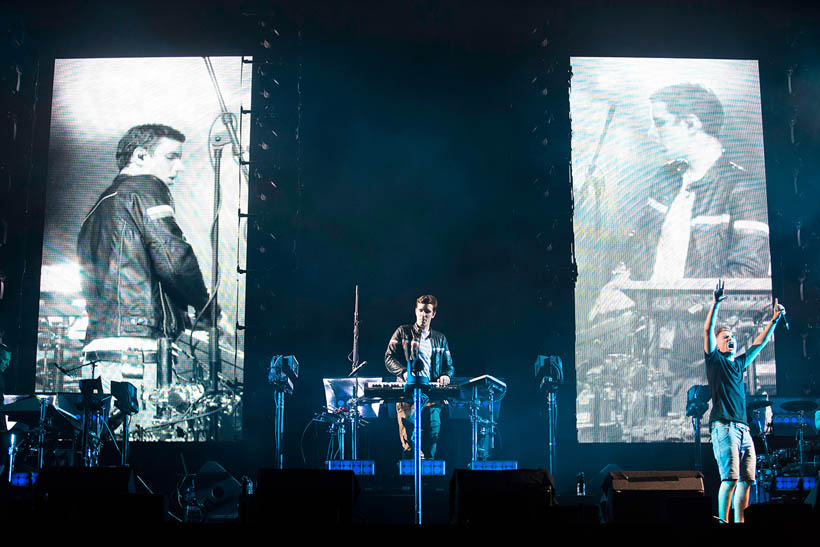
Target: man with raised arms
[{"x": 731, "y": 439}]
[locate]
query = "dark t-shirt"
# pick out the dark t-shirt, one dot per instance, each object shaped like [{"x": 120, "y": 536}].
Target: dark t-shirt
[{"x": 725, "y": 379}]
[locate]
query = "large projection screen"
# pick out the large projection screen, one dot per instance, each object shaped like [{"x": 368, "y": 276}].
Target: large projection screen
[
  {"x": 670, "y": 195},
  {"x": 95, "y": 103}
]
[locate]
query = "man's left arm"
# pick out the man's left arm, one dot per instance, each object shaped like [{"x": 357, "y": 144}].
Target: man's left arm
[{"x": 766, "y": 335}]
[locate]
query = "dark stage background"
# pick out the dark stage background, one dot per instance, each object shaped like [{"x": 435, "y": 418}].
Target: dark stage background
[{"x": 424, "y": 148}]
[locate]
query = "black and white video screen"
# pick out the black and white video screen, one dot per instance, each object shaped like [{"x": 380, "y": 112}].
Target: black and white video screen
[
  {"x": 670, "y": 195},
  {"x": 145, "y": 178}
]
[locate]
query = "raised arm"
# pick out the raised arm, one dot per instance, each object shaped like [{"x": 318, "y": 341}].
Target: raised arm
[
  {"x": 766, "y": 335},
  {"x": 709, "y": 341}
]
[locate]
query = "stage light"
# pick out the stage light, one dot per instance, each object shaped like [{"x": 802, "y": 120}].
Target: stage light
[
  {"x": 428, "y": 467},
  {"x": 697, "y": 401},
  {"x": 490, "y": 465},
  {"x": 23, "y": 479},
  {"x": 284, "y": 371},
  {"x": 359, "y": 467},
  {"x": 125, "y": 397},
  {"x": 549, "y": 372}
]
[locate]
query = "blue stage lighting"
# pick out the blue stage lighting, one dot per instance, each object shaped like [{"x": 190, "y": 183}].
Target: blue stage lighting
[
  {"x": 428, "y": 467},
  {"x": 359, "y": 467},
  {"x": 494, "y": 465}
]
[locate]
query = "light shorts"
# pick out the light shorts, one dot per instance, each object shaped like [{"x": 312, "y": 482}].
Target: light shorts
[{"x": 734, "y": 451}]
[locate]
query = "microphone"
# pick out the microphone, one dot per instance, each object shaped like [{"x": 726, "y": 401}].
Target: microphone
[
  {"x": 355, "y": 370},
  {"x": 783, "y": 315}
]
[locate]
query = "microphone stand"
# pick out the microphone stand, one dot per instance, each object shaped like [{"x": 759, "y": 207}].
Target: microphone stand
[
  {"x": 591, "y": 171},
  {"x": 69, "y": 371},
  {"x": 217, "y": 143},
  {"x": 354, "y": 408},
  {"x": 228, "y": 118}
]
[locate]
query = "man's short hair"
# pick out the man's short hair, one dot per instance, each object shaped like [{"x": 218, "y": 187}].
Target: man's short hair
[
  {"x": 428, "y": 299},
  {"x": 724, "y": 329},
  {"x": 144, "y": 136},
  {"x": 684, "y": 99}
]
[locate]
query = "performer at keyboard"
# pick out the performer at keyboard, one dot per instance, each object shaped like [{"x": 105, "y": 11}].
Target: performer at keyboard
[
  {"x": 731, "y": 440},
  {"x": 429, "y": 353}
]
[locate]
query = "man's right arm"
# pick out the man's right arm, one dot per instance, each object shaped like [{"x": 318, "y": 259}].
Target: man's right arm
[
  {"x": 394, "y": 356},
  {"x": 709, "y": 340}
]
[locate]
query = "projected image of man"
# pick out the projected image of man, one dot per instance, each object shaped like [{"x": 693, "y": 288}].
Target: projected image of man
[
  {"x": 704, "y": 216},
  {"x": 428, "y": 350},
  {"x": 139, "y": 274},
  {"x": 695, "y": 214}
]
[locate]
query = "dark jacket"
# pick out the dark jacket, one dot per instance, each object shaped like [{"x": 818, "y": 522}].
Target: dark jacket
[
  {"x": 139, "y": 274},
  {"x": 730, "y": 233},
  {"x": 404, "y": 347}
]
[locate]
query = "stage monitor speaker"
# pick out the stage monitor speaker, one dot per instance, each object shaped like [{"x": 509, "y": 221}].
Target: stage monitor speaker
[
  {"x": 217, "y": 492},
  {"x": 656, "y": 496},
  {"x": 486, "y": 498},
  {"x": 304, "y": 497}
]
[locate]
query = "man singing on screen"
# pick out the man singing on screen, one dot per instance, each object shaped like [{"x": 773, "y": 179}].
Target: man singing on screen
[
  {"x": 428, "y": 351},
  {"x": 731, "y": 440},
  {"x": 139, "y": 274}
]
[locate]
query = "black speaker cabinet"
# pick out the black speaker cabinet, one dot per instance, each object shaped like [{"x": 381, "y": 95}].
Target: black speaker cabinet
[
  {"x": 656, "y": 496},
  {"x": 785, "y": 515},
  {"x": 95, "y": 494},
  {"x": 303, "y": 497},
  {"x": 486, "y": 498}
]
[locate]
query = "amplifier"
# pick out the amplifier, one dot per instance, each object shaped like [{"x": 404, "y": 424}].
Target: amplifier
[
  {"x": 656, "y": 496},
  {"x": 655, "y": 481}
]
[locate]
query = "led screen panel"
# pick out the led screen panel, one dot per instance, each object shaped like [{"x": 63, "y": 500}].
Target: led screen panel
[
  {"x": 128, "y": 279},
  {"x": 670, "y": 195}
]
